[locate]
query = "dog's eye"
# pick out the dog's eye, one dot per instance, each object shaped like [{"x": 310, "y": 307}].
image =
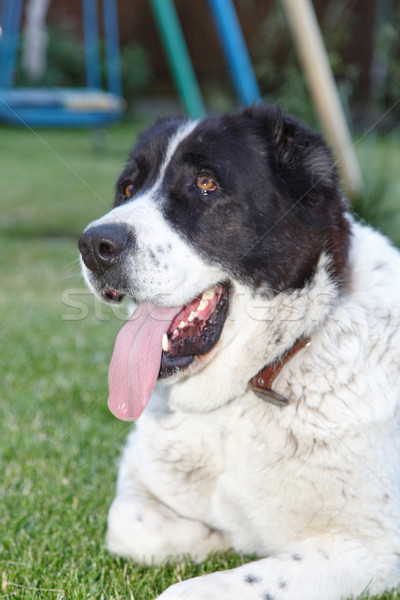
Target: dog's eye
[
  {"x": 206, "y": 184},
  {"x": 128, "y": 190}
]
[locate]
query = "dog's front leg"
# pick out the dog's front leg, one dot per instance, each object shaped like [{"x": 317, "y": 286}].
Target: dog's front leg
[
  {"x": 146, "y": 530},
  {"x": 319, "y": 568}
]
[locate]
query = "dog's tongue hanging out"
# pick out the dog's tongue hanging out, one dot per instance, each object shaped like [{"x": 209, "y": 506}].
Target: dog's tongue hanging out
[
  {"x": 136, "y": 358},
  {"x": 193, "y": 329}
]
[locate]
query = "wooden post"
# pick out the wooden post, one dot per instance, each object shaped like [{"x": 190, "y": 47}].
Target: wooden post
[{"x": 312, "y": 54}]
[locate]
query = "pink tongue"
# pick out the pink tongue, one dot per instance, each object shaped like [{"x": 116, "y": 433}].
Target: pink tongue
[{"x": 136, "y": 359}]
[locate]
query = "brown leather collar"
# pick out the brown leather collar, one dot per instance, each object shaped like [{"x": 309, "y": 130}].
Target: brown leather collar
[{"x": 261, "y": 383}]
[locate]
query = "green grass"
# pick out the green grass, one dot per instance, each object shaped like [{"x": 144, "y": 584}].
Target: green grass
[{"x": 59, "y": 444}]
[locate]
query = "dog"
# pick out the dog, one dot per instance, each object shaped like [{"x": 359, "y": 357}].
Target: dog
[{"x": 261, "y": 362}]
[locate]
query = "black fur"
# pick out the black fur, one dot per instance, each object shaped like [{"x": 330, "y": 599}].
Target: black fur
[{"x": 277, "y": 205}]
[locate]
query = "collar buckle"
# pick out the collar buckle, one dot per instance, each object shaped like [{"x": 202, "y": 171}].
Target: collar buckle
[{"x": 262, "y": 382}]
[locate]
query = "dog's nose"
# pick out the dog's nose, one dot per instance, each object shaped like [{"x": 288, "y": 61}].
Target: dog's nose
[{"x": 101, "y": 246}]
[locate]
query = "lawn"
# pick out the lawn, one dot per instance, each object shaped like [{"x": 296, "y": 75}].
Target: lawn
[{"x": 59, "y": 443}]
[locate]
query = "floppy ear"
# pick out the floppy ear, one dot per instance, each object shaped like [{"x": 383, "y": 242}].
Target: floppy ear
[
  {"x": 298, "y": 157},
  {"x": 303, "y": 168}
]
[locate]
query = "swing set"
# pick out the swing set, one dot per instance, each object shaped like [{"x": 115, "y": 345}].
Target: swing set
[
  {"x": 91, "y": 106},
  {"x": 94, "y": 106}
]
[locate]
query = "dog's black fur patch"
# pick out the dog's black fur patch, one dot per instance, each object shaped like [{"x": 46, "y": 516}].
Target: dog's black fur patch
[{"x": 277, "y": 205}]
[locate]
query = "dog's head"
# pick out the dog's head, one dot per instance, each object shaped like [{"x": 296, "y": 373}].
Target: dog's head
[{"x": 247, "y": 199}]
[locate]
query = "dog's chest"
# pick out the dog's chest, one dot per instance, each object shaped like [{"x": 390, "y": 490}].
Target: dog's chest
[{"x": 234, "y": 470}]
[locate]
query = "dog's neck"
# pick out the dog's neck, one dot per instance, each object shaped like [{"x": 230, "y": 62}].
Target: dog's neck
[{"x": 259, "y": 331}]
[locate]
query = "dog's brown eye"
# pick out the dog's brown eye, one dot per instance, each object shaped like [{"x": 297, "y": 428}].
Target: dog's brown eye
[
  {"x": 128, "y": 190},
  {"x": 206, "y": 184}
]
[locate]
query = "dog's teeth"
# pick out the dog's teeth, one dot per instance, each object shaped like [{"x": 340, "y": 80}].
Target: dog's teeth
[
  {"x": 165, "y": 343},
  {"x": 182, "y": 324},
  {"x": 209, "y": 294},
  {"x": 203, "y": 305},
  {"x": 193, "y": 315}
]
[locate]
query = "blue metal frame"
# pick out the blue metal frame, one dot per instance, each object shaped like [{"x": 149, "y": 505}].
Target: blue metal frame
[
  {"x": 38, "y": 110},
  {"x": 77, "y": 107},
  {"x": 92, "y": 47},
  {"x": 10, "y": 21},
  {"x": 110, "y": 15},
  {"x": 235, "y": 50}
]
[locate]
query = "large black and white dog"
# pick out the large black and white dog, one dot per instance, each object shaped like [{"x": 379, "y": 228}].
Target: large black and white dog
[{"x": 268, "y": 322}]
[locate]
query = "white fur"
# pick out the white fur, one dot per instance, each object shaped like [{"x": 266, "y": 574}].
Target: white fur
[{"x": 313, "y": 487}]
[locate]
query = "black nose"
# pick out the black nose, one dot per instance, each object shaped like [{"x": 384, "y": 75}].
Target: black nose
[{"x": 102, "y": 246}]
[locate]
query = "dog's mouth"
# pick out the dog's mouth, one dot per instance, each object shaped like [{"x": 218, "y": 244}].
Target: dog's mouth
[
  {"x": 194, "y": 331},
  {"x": 158, "y": 342}
]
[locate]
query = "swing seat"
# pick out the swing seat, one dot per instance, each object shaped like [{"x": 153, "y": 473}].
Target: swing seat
[{"x": 65, "y": 107}]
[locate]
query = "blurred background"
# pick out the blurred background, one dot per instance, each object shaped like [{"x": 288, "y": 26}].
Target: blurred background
[{"x": 361, "y": 38}]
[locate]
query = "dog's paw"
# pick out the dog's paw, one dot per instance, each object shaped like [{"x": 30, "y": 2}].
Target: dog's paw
[{"x": 217, "y": 586}]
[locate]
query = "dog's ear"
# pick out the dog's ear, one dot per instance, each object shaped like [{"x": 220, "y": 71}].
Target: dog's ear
[
  {"x": 298, "y": 157},
  {"x": 303, "y": 168}
]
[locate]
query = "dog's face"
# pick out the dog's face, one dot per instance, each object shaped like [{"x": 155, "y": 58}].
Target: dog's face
[{"x": 247, "y": 199}]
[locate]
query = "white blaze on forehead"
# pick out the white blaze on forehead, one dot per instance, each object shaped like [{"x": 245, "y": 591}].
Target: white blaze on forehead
[
  {"x": 122, "y": 213},
  {"x": 181, "y": 133}
]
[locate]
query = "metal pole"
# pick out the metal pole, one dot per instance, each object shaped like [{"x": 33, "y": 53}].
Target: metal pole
[
  {"x": 92, "y": 49},
  {"x": 110, "y": 18},
  {"x": 11, "y": 13},
  {"x": 235, "y": 50},
  {"x": 178, "y": 56}
]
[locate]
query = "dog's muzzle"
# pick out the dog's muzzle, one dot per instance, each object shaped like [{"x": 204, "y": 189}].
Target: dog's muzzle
[{"x": 103, "y": 245}]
